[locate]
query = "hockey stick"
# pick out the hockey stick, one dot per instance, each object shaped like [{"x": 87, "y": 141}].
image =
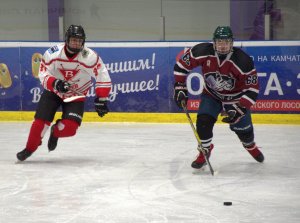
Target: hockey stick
[
  {"x": 197, "y": 137},
  {"x": 73, "y": 98}
]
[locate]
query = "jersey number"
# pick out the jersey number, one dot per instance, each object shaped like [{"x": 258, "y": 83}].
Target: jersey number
[
  {"x": 95, "y": 70},
  {"x": 186, "y": 59},
  {"x": 251, "y": 80}
]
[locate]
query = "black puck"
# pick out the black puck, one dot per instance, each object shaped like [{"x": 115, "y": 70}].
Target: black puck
[{"x": 227, "y": 203}]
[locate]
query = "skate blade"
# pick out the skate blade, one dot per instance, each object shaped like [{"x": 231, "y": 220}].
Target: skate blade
[
  {"x": 199, "y": 171},
  {"x": 19, "y": 162}
]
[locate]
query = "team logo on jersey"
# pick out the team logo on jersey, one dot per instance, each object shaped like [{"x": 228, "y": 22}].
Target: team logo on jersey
[
  {"x": 85, "y": 53},
  {"x": 219, "y": 82},
  {"x": 69, "y": 73},
  {"x": 53, "y": 49}
]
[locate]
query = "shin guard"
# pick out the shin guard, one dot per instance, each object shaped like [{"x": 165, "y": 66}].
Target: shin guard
[
  {"x": 37, "y": 132},
  {"x": 65, "y": 128}
]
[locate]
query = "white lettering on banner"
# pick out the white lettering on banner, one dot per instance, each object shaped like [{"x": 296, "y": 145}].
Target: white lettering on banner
[
  {"x": 134, "y": 65},
  {"x": 132, "y": 87},
  {"x": 276, "y": 58},
  {"x": 189, "y": 83},
  {"x": 272, "y": 79},
  {"x": 36, "y": 94},
  {"x": 276, "y": 105},
  {"x": 261, "y": 74},
  {"x": 121, "y": 88},
  {"x": 91, "y": 92},
  {"x": 194, "y": 104},
  {"x": 294, "y": 105},
  {"x": 285, "y": 58},
  {"x": 262, "y": 58},
  {"x": 268, "y": 104}
]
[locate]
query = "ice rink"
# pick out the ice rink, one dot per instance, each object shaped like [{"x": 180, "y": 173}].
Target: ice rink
[{"x": 140, "y": 173}]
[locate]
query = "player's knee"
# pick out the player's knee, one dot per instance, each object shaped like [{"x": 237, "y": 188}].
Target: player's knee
[
  {"x": 40, "y": 123},
  {"x": 205, "y": 122},
  {"x": 70, "y": 127}
]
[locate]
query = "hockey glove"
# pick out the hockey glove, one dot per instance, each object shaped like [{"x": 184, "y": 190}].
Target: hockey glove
[
  {"x": 61, "y": 86},
  {"x": 180, "y": 93},
  {"x": 101, "y": 106},
  {"x": 234, "y": 113}
]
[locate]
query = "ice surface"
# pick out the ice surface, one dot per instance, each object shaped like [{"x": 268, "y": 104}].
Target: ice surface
[{"x": 126, "y": 172}]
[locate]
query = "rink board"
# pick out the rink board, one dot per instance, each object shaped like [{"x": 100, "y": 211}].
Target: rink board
[
  {"x": 291, "y": 119},
  {"x": 142, "y": 76}
]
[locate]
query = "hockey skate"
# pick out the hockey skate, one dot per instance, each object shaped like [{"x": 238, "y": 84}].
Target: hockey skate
[
  {"x": 52, "y": 142},
  {"x": 200, "y": 161},
  {"x": 255, "y": 153},
  {"x": 23, "y": 155}
]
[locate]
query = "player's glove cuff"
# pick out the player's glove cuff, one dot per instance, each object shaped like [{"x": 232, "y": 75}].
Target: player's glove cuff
[
  {"x": 101, "y": 106},
  {"x": 180, "y": 93},
  {"x": 61, "y": 86},
  {"x": 234, "y": 113}
]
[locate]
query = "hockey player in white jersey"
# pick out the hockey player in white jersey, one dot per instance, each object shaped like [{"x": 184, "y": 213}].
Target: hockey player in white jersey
[{"x": 66, "y": 73}]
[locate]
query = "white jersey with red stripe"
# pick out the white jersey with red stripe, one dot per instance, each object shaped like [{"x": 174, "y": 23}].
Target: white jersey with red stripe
[{"x": 78, "y": 71}]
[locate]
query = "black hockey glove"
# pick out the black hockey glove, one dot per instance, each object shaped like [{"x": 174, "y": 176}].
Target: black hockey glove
[
  {"x": 234, "y": 113},
  {"x": 101, "y": 107},
  {"x": 61, "y": 86},
  {"x": 180, "y": 93}
]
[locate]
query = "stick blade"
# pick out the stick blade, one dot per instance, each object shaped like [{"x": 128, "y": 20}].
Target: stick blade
[{"x": 73, "y": 98}]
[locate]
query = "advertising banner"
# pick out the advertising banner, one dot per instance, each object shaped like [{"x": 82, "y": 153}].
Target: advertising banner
[
  {"x": 278, "y": 70},
  {"x": 10, "y": 79},
  {"x": 142, "y": 77}
]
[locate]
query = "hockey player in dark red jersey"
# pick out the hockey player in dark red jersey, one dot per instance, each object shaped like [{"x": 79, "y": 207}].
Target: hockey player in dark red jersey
[
  {"x": 231, "y": 86},
  {"x": 66, "y": 73}
]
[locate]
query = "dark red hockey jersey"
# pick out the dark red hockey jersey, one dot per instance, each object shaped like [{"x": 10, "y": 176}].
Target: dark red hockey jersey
[{"x": 233, "y": 79}]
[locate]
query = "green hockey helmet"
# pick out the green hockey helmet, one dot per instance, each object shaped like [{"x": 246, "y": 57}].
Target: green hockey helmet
[
  {"x": 223, "y": 32},
  {"x": 223, "y": 40}
]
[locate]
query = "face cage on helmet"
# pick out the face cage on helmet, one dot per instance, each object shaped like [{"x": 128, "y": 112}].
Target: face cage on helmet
[
  {"x": 222, "y": 52},
  {"x": 74, "y": 50}
]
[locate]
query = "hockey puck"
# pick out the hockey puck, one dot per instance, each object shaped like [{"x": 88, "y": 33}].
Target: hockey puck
[{"x": 227, "y": 203}]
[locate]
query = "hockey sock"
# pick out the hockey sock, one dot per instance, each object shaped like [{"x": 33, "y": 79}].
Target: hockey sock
[
  {"x": 247, "y": 138},
  {"x": 65, "y": 128},
  {"x": 205, "y": 124},
  {"x": 37, "y": 132}
]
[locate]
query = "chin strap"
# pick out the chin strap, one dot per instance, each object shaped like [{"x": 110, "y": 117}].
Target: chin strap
[{"x": 73, "y": 51}]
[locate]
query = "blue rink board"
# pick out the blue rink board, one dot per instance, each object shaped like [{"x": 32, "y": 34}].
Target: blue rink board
[{"x": 142, "y": 77}]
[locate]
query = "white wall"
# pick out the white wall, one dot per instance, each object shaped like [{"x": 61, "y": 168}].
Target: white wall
[
  {"x": 288, "y": 27},
  {"x": 140, "y": 19},
  {"x": 137, "y": 20},
  {"x": 195, "y": 20},
  {"x": 23, "y": 20},
  {"x": 116, "y": 19}
]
